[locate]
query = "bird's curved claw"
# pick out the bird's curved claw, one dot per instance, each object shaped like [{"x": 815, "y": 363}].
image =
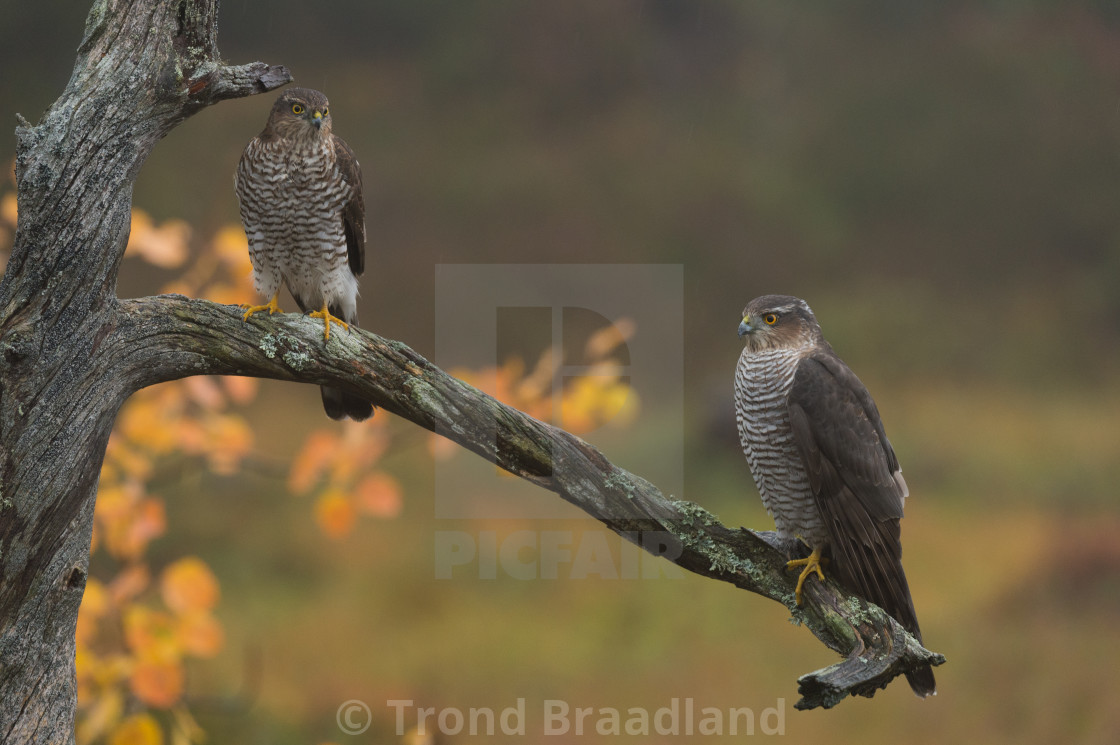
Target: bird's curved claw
[
  {"x": 273, "y": 306},
  {"x": 812, "y": 563},
  {"x": 325, "y": 314}
]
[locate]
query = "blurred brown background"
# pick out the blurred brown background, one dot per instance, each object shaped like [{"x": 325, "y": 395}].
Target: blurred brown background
[{"x": 939, "y": 180}]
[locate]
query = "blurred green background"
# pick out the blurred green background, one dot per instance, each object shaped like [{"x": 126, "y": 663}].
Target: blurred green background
[{"x": 939, "y": 180}]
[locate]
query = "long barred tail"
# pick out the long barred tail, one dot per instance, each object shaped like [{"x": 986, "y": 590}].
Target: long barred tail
[{"x": 338, "y": 403}]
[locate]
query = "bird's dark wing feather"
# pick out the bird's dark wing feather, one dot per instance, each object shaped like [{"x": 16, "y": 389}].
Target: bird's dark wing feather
[
  {"x": 854, "y": 476},
  {"x": 354, "y": 211}
]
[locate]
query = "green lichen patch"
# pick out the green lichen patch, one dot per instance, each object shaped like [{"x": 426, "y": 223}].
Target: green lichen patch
[
  {"x": 268, "y": 345},
  {"x": 297, "y": 360}
]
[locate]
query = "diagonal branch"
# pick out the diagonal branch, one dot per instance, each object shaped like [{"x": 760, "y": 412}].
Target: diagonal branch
[{"x": 169, "y": 337}]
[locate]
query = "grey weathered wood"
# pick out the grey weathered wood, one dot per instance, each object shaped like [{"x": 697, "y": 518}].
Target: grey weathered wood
[
  {"x": 142, "y": 68},
  {"x": 71, "y": 353}
]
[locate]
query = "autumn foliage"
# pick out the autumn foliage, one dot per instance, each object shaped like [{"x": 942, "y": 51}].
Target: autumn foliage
[{"x": 139, "y": 624}]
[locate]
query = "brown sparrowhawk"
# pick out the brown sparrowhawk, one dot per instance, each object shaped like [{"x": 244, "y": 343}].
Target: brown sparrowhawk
[
  {"x": 300, "y": 190},
  {"x": 821, "y": 459}
]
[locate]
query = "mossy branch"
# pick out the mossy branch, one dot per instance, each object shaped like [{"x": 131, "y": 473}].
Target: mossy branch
[{"x": 171, "y": 336}]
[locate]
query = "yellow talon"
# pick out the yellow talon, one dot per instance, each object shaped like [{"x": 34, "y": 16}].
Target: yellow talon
[
  {"x": 325, "y": 314},
  {"x": 273, "y": 306},
  {"x": 812, "y": 563}
]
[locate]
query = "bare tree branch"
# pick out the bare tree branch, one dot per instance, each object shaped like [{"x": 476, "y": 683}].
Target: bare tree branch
[{"x": 171, "y": 336}]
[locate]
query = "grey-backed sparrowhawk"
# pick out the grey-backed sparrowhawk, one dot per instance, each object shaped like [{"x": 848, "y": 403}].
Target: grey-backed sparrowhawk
[
  {"x": 821, "y": 460},
  {"x": 300, "y": 189}
]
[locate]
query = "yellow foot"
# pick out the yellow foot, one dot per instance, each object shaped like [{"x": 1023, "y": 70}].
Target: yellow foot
[
  {"x": 812, "y": 563},
  {"x": 273, "y": 306},
  {"x": 325, "y": 314}
]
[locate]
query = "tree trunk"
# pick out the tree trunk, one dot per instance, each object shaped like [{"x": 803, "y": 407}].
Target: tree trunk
[
  {"x": 71, "y": 353},
  {"x": 142, "y": 68}
]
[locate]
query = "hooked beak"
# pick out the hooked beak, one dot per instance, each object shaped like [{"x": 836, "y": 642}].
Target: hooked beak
[
  {"x": 745, "y": 327},
  {"x": 317, "y": 119}
]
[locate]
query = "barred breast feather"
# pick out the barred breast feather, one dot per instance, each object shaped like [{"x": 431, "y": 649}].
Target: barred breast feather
[{"x": 763, "y": 381}]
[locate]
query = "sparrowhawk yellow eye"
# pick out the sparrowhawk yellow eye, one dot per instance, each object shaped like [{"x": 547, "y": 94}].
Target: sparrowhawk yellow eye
[
  {"x": 326, "y": 111},
  {"x": 297, "y": 109},
  {"x": 770, "y": 319}
]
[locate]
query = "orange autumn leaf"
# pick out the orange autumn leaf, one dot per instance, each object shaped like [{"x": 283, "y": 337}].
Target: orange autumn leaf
[
  {"x": 138, "y": 729},
  {"x": 227, "y": 294},
  {"x": 204, "y": 391},
  {"x": 157, "y": 682},
  {"x": 150, "y": 633},
  {"x": 149, "y": 521},
  {"x": 9, "y": 211},
  {"x": 379, "y": 495},
  {"x": 129, "y": 582},
  {"x": 113, "y": 503},
  {"x": 177, "y": 287},
  {"x": 607, "y": 339},
  {"x": 367, "y": 441},
  {"x": 191, "y": 435},
  {"x": 229, "y": 439},
  {"x": 231, "y": 246},
  {"x": 149, "y": 422},
  {"x": 334, "y": 513},
  {"x": 165, "y": 245},
  {"x": 189, "y": 585},
  {"x": 130, "y": 462},
  {"x": 241, "y": 390},
  {"x": 200, "y": 634},
  {"x": 440, "y": 447},
  {"x": 538, "y": 383},
  {"x": 312, "y": 460}
]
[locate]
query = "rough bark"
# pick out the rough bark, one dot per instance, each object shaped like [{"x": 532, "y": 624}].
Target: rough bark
[
  {"x": 142, "y": 68},
  {"x": 71, "y": 353}
]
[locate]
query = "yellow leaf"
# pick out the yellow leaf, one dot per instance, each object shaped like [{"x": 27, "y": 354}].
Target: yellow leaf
[
  {"x": 95, "y": 603},
  {"x": 113, "y": 502},
  {"x": 379, "y": 495},
  {"x": 334, "y": 513},
  {"x": 98, "y": 717},
  {"x": 85, "y": 662},
  {"x": 138, "y": 729},
  {"x": 186, "y": 730},
  {"x": 189, "y": 585}
]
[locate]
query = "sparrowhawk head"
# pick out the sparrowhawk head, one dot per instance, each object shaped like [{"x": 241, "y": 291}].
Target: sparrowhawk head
[
  {"x": 776, "y": 321},
  {"x": 300, "y": 113}
]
